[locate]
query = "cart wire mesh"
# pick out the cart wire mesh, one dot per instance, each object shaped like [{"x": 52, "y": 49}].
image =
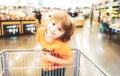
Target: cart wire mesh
[{"x": 25, "y": 62}]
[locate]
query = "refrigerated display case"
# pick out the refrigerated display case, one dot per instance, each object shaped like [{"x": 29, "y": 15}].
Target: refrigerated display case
[
  {"x": 28, "y": 26},
  {"x": 10, "y": 28}
]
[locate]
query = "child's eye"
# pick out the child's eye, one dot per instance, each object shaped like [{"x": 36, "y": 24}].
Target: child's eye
[
  {"x": 53, "y": 24},
  {"x": 59, "y": 29}
]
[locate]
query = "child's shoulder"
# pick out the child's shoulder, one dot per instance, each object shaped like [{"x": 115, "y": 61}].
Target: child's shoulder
[
  {"x": 62, "y": 44},
  {"x": 41, "y": 28}
]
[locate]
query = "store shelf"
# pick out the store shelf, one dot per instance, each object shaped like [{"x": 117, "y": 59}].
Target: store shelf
[
  {"x": 111, "y": 4},
  {"x": 115, "y": 12},
  {"x": 112, "y": 7}
]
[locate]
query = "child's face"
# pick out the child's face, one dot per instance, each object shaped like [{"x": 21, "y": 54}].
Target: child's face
[{"x": 54, "y": 30}]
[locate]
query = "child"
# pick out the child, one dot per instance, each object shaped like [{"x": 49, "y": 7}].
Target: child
[{"x": 52, "y": 44}]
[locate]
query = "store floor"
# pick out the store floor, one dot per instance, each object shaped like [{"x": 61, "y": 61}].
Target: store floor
[{"x": 96, "y": 45}]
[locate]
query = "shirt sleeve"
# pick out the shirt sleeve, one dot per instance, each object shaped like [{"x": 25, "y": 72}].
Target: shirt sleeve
[{"x": 66, "y": 52}]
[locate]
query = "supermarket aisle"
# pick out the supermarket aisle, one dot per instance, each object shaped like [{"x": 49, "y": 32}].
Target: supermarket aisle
[{"x": 97, "y": 46}]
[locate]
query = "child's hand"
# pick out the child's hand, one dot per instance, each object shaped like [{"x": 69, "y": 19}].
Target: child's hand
[{"x": 38, "y": 48}]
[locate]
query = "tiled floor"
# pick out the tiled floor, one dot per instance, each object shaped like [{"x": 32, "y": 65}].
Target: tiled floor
[{"x": 96, "y": 45}]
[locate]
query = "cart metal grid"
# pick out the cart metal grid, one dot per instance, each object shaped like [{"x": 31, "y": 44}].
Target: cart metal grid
[{"x": 26, "y": 63}]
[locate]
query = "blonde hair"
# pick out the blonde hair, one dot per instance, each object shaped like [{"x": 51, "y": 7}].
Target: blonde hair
[{"x": 67, "y": 24}]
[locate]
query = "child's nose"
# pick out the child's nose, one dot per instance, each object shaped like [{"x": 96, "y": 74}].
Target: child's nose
[{"x": 54, "y": 29}]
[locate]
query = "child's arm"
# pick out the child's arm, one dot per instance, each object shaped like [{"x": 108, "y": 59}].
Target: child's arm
[{"x": 47, "y": 57}]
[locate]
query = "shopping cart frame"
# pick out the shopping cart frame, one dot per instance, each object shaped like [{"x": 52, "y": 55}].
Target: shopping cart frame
[{"x": 5, "y": 65}]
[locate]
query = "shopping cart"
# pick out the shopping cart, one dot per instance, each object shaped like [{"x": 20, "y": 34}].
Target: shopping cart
[{"x": 26, "y": 63}]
